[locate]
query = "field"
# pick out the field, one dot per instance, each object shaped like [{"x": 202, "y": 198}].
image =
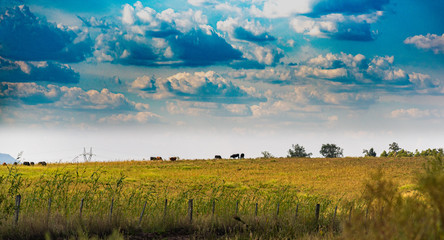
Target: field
[{"x": 245, "y": 198}]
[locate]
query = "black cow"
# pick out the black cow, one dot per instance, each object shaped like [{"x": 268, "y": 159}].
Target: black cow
[
  {"x": 234, "y": 155},
  {"x": 242, "y": 156},
  {"x": 32, "y": 163},
  {"x": 173, "y": 158},
  {"x": 42, "y": 163},
  {"x": 218, "y": 157},
  {"x": 152, "y": 158},
  {"x": 26, "y": 164}
]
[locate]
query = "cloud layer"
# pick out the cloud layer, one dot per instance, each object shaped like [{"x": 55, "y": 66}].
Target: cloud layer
[{"x": 25, "y": 37}]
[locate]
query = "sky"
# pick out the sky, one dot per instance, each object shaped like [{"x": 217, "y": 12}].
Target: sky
[{"x": 198, "y": 78}]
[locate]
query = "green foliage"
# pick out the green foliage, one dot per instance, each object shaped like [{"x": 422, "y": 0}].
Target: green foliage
[
  {"x": 384, "y": 154},
  {"x": 331, "y": 151},
  {"x": 298, "y": 151},
  {"x": 266, "y": 154},
  {"x": 394, "y": 147},
  {"x": 369, "y": 153}
]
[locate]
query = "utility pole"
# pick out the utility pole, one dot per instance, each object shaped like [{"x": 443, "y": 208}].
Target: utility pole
[{"x": 87, "y": 156}]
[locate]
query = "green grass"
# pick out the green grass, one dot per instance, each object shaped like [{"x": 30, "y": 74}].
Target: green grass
[{"x": 342, "y": 182}]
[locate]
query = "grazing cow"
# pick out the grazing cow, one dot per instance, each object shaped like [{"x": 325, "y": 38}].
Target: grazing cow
[
  {"x": 26, "y": 164},
  {"x": 42, "y": 163},
  {"x": 4, "y": 164},
  {"x": 159, "y": 158},
  {"x": 152, "y": 158},
  {"x": 32, "y": 163},
  {"x": 242, "y": 155},
  {"x": 234, "y": 155},
  {"x": 173, "y": 158},
  {"x": 218, "y": 157}
]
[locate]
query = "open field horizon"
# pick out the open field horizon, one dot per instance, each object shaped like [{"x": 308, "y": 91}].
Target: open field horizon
[{"x": 340, "y": 178}]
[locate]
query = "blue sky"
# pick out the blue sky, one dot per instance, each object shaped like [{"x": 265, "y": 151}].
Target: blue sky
[{"x": 198, "y": 78}]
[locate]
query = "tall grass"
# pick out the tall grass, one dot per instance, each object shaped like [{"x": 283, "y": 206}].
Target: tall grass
[{"x": 383, "y": 211}]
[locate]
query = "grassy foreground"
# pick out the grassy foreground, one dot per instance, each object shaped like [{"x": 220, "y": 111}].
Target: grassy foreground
[{"x": 107, "y": 199}]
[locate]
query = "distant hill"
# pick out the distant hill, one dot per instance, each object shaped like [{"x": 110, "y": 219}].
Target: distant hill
[{"x": 6, "y": 158}]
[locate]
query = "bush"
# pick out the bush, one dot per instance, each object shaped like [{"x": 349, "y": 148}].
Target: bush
[
  {"x": 297, "y": 151},
  {"x": 369, "y": 153},
  {"x": 331, "y": 151}
]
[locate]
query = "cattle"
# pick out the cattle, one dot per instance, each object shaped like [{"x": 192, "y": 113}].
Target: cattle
[
  {"x": 26, "y": 164},
  {"x": 242, "y": 156},
  {"x": 217, "y": 157},
  {"x": 152, "y": 158},
  {"x": 32, "y": 163},
  {"x": 42, "y": 163},
  {"x": 4, "y": 164},
  {"x": 234, "y": 155},
  {"x": 173, "y": 158},
  {"x": 159, "y": 158}
]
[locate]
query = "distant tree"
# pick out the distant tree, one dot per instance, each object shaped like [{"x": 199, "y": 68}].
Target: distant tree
[
  {"x": 331, "y": 151},
  {"x": 394, "y": 147},
  {"x": 384, "y": 154},
  {"x": 266, "y": 154},
  {"x": 369, "y": 153},
  {"x": 298, "y": 151}
]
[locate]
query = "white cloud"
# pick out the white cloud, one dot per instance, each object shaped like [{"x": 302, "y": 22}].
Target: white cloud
[
  {"x": 430, "y": 41},
  {"x": 69, "y": 97},
  {"x": 198, "y": 86},
  {"x": 416, "y": 113},
  {"x": 140, "y": 117},
  {"x": 282, "y": 8},
  {"x": 230, "y": 25},
  {"x": 337, "y": 25},
  {"x": 271, "y": 74}
]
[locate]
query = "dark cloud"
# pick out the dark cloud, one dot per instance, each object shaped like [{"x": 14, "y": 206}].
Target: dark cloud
[
  {"x": 19, "y": 71},
  {"x": 25, "y": 37},
  {"x": 199, "y": 48},
  {"x": 243, "y": 34},
  {"x": 347, "y": 6},
  {"x": 354, "y": 31}
]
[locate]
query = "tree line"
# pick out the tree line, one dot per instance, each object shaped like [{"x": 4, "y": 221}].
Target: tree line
[{"x": 330, "y": 150}]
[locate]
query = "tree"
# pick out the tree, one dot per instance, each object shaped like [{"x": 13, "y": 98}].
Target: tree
[
  {"x": 384, "y": 154},
  {"x": 331, "y": 151},
  {"x": 369, "y": 153},
  {"x": 394, "y": 147},
  {"x": 298, "y": 151},
  {"x": 266, "y": 154}
]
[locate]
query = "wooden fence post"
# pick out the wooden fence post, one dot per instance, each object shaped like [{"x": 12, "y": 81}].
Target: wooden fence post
[
  {"x": 334, "y": 215},
  {"x": 111, "y": 210},
  {"x": 277, "y": 209},
  {"x": 190, "y": 210},
  {"x": 318, "y": 208},
  {"x": 141, "y": 214},
  {"x": 296, "y": 214},
  {"x": 49, "y": 210},
  {"x": 165, "y": 208},
  {"x": 214, "y": 208},
  {"x": 18, "y": 199},
  {"x": 81, "y": 209},
  {"x": 350, "y": 214}
]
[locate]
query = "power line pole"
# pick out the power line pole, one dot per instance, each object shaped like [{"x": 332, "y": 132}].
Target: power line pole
[{"x": 87, "y": 156}]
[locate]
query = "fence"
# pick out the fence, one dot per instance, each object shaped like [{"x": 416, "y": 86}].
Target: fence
[{"x": 316, "y": 218}]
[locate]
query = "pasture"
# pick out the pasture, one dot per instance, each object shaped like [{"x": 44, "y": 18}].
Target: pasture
[{"x": 265, "y": 198}]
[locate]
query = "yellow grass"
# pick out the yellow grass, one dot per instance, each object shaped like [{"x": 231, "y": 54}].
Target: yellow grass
[{"x": 332, "y": 178}]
